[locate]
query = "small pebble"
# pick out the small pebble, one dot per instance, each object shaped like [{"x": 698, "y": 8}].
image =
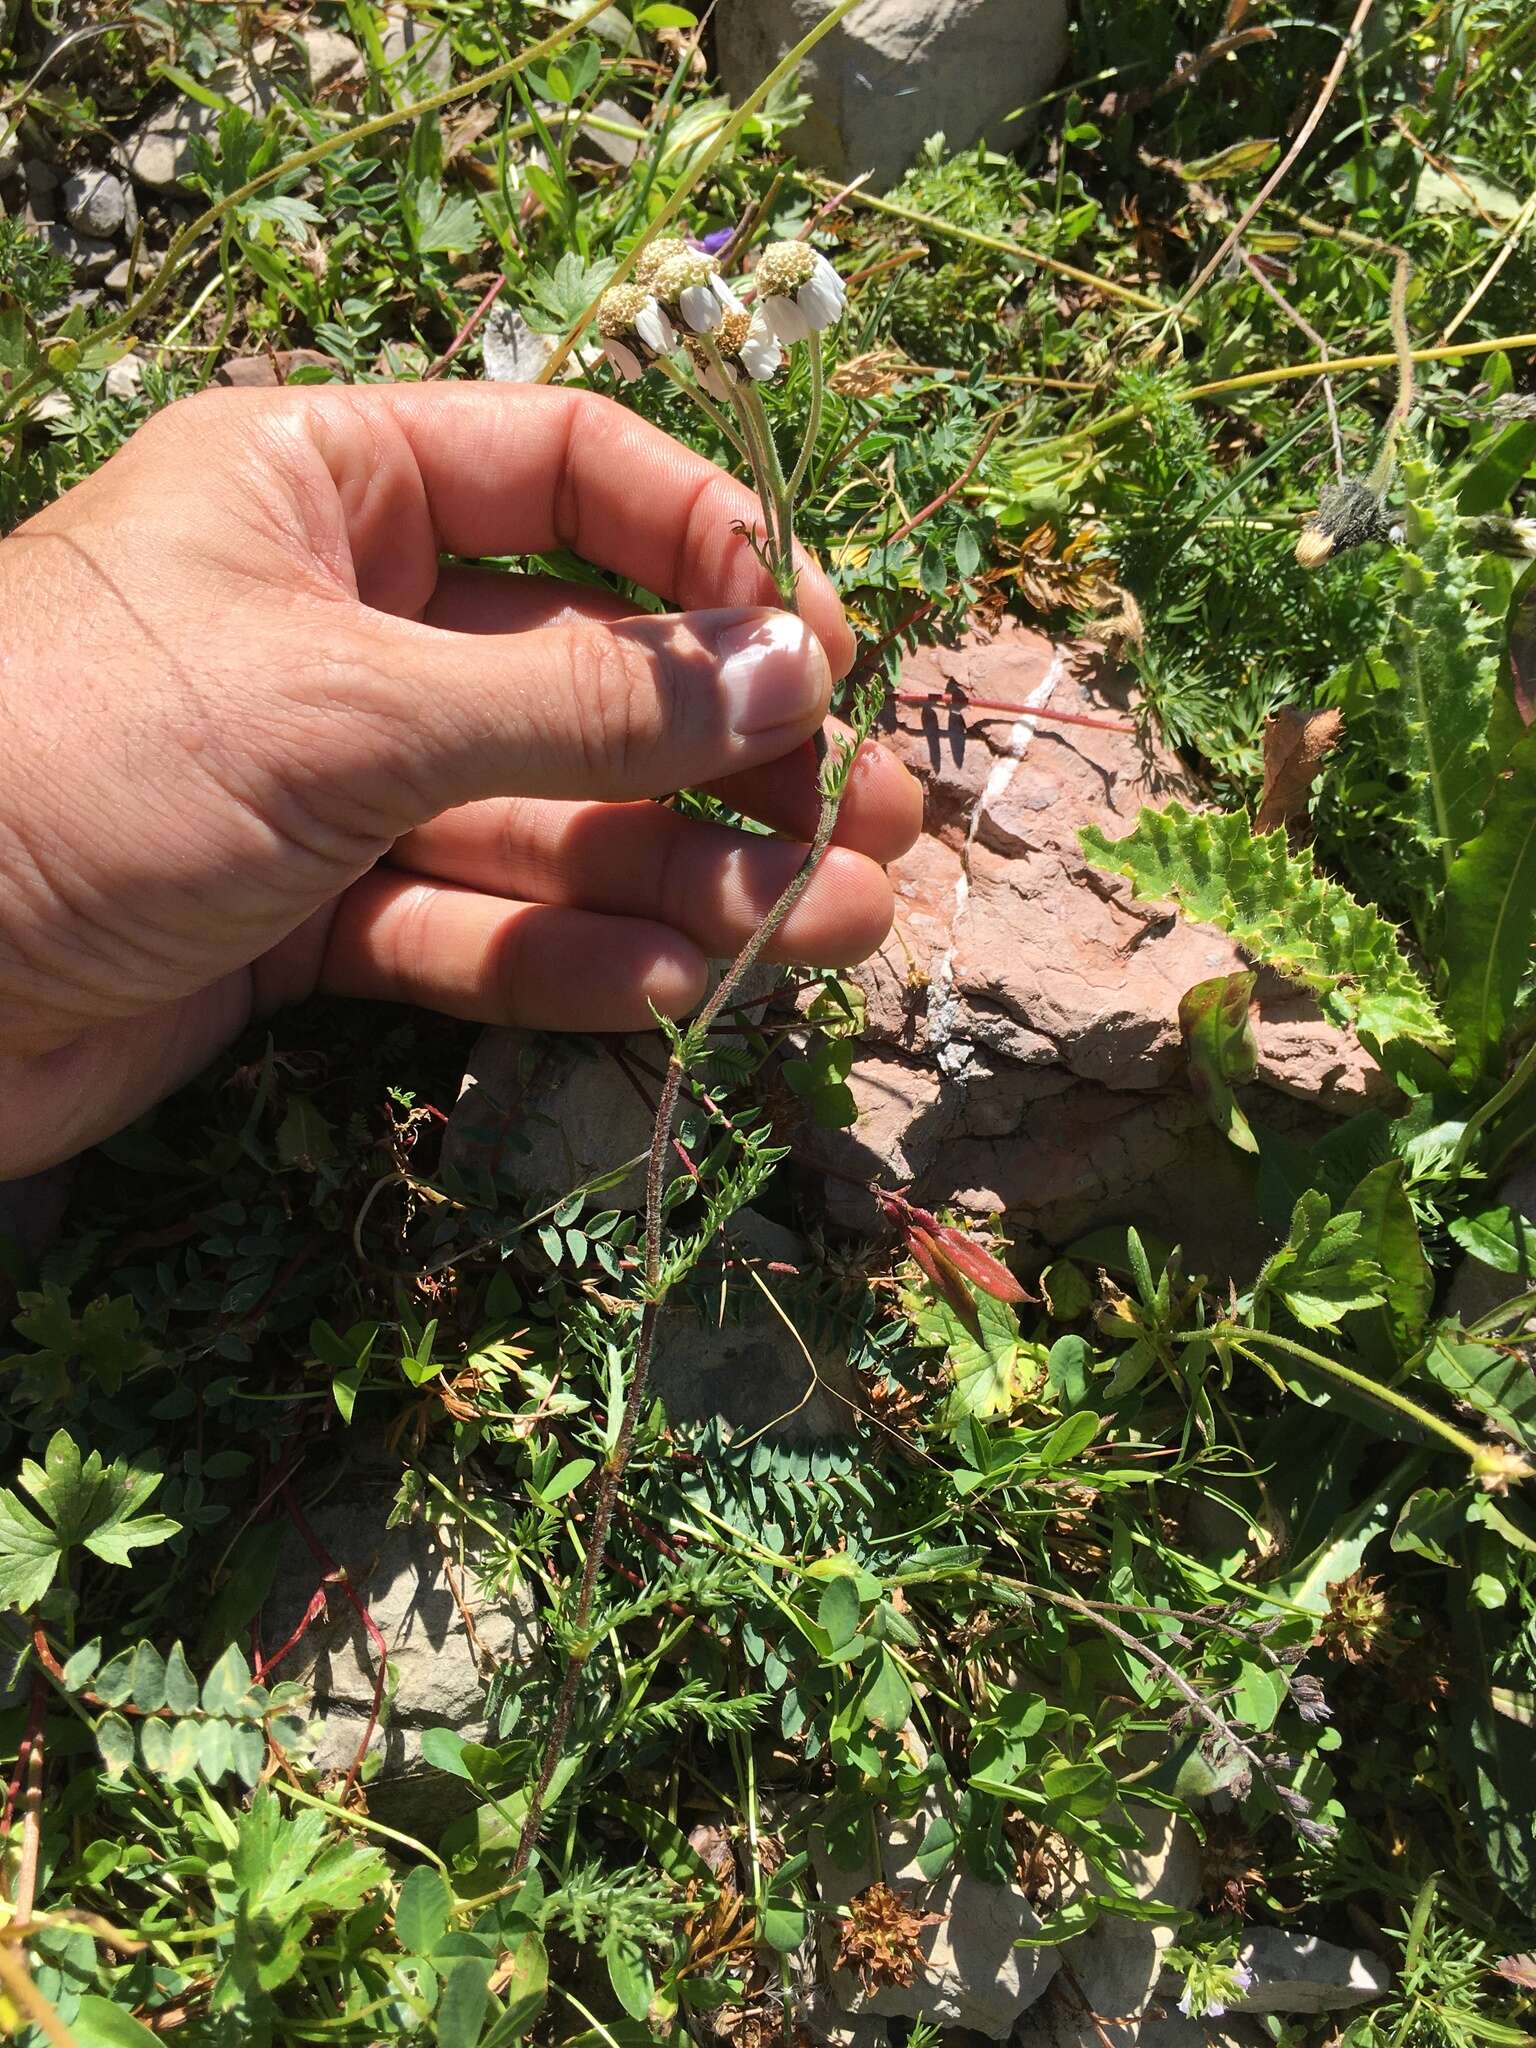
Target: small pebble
[
  {"x": 95, "y": 203},
  {"x": 85, "y": 255},
  {"x": 125, "y": 379}
]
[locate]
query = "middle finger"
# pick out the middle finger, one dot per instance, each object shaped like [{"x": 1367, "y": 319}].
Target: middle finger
[{"x": 640, "y": 860}]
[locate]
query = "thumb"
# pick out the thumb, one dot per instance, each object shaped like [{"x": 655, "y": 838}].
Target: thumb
[{"x": 600, "y": 709}]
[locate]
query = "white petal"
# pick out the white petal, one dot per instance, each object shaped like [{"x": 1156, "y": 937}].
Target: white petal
[
  {"x": 826, "y": 276},
  {"x": 655, "y": 329},
  {"x": 821, "y": 298},
  {"x": 787, "y": 321},
  {"x": 624, "y": 360},
  {"x": 729, "y": 302},
  {"x": 700, "y": 308},
  {"x": 717, "y": 382},
  {"x": 761, "y": 354}
]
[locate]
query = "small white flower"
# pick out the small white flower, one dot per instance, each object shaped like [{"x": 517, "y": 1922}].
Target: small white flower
[
  {"x": 799, "y": 291},
  {"x": 633, "y": 329},
  {"x": 745, "y": 342},
  {"x": 691, "y": 285},
  {"x": 655, "y": 329},
  {"x": 716, "y": 378},
  {"x": 704, "y": 306}
]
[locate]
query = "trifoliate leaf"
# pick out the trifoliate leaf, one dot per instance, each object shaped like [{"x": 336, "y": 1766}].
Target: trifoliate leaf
[{"x": 1323, "y": 1270}]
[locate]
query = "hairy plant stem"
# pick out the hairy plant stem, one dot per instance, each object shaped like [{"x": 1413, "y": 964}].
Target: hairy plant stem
[
  {"x": 1484, "y": 1458},
  {"x": 812, "y": 418},
  {"x": 1092, "y": 1611},
  {"x": 1495, "y": 1106},
  {"x": 707, "y": 406},
  {"x": 778, "y": 510}
]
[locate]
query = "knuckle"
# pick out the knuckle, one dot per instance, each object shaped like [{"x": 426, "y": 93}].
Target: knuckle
[{"x": 618, "y": 710}]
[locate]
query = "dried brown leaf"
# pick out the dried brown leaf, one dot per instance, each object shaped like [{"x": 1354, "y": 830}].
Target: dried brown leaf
[{"x": 1296, "y": 743}]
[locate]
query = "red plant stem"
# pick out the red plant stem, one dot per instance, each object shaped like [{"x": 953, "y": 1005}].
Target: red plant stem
[
  {"x": 37, "y": 1703},
  {"x": 464, "y": 334},
  {"x": 311, "y": 1614},
  {"x": 952, "y": 488},
  {"x": 32, "y": 1795},
  {"x": 333, "y": 1575},
  {"x": 867, "y": 662},
  {"x": 960, "y": 703}
]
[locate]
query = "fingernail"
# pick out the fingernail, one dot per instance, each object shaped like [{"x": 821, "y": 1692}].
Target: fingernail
[{"x": 772, "y": 672}]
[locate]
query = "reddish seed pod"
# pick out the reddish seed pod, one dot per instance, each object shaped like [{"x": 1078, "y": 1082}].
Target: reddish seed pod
[
  {"x": 979, "y": 1267},
  {"x": 944, "y": 1246}
]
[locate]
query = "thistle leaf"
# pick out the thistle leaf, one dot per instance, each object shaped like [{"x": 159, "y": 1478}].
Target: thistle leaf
[
  {"x": 1279, "y": 910},
  {"x": 1440, "y": 670},
  {"x": 1488, "y": 923}
]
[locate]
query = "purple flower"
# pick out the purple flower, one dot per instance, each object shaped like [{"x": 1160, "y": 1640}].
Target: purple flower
[{"x": 713, "y": 242}]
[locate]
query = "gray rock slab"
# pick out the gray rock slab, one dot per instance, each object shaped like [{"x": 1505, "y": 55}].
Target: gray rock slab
[
  {"x": 746, "y": 1363},
  {"x": 898, "y": 71},
  {"x": 419, "y": 1588},
  {"x": 333, "y": 59},
  {"x": 1118, "y": 1961},
  {"x": 1297, "y": 1973},
  {"x": 419, "y": 49},
  {"x": 159, "y": 152},
  {"x": 125, "y": 379},
  {"x": 545, "y": 1114},
  {"x": 87, "y": 257}
]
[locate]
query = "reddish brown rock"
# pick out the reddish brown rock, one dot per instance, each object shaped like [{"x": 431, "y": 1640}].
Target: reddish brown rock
[{"x": 1023, "y": 1014}]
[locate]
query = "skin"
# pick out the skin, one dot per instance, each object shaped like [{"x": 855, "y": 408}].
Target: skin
[{"x": 261, "y": 742}]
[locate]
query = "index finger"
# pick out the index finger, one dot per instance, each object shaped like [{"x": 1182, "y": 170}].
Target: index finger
[{"x": 499, "y": 469}]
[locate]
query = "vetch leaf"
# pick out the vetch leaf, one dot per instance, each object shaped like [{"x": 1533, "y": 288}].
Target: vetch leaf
[
  {"x": 114, "y": 1738},
  {"x": 838, "y": 1611},
  {"x": 179, "y": 1685},
  {"x": 227, "y": 1685},
  {"x": 887, "y": 1698},
  {"x": 462, "y": 2006},
  {"x": 99, "y": 2023}
]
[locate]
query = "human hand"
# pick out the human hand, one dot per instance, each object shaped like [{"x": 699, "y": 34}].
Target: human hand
[{"x": 260, "y": 743}]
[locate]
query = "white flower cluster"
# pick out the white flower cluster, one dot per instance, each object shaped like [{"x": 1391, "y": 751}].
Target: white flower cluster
[{"x": 677, "y": 295}]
